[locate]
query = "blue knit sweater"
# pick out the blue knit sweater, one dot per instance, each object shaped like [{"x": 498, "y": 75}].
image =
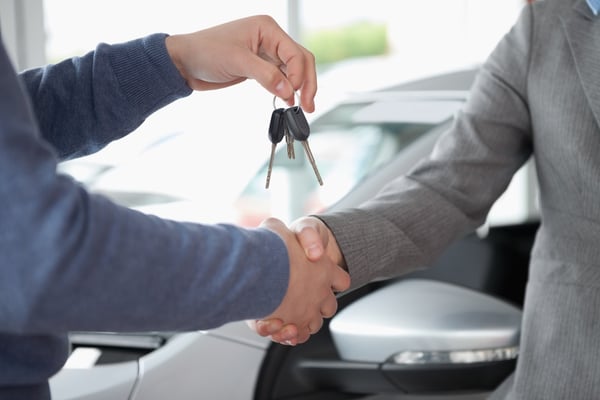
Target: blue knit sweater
[{"x": 71, "y": 260}]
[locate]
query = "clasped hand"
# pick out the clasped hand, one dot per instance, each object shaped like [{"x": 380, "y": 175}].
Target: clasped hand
[
  {"x": 257, "y": 48},
  {"x": 316, "y": 274}
]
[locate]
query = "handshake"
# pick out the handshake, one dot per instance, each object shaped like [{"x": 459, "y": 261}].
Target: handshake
[{"x": 316, "y": 274}]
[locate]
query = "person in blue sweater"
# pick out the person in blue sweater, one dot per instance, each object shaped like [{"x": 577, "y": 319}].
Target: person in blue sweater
[{"x": 72, "y": 260}]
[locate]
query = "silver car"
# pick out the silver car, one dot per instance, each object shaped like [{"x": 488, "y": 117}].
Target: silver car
[{"x": 448, "y": 332}]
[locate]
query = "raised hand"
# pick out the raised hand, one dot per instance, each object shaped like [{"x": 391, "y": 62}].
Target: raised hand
[
  {"x": 318, "y": 244},
  {"x": 254, "y": 47},
  {"x": 311, "y": 291}
]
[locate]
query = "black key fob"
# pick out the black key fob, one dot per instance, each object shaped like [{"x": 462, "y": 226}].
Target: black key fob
[{"x": 297, "y": 123}]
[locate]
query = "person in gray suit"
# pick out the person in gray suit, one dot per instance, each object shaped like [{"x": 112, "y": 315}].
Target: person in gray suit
[{"x": 537, "y": 95}]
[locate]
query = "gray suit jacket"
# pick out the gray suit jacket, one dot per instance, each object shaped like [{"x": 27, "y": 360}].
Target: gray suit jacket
[{"x": 537, "y": 95}]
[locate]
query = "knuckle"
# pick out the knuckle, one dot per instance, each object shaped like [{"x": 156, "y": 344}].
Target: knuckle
[{"x": 264, "y": 18}]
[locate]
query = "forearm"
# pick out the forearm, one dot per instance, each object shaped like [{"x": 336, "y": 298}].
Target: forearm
[
  {"x": 450, "y": 193},
  {"x": 110, "y": 268},
  {"x": 377, "y": 241},
  {"x": 84, "y": 103}
]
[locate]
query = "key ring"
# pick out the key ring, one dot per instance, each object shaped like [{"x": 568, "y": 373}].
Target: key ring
[{"x": 295, "y": 94}]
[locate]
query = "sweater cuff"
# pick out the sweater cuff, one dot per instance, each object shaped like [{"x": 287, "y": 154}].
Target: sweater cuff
[{"x": 146, "y": 74}]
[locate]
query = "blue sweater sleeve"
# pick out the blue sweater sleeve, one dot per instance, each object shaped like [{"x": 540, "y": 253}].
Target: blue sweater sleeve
[
  {"x": 83, "y": 103},
  {"x": 71, "y": 260}
]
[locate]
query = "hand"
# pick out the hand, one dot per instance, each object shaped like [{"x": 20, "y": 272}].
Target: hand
[
  {"x": 316, "y": 240},
  {"x": 310, "y": 295},
  {"x": 254, "y": 47}
]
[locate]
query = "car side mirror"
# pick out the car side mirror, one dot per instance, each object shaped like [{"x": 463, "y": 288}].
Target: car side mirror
[{"x": 430, "y": 336}]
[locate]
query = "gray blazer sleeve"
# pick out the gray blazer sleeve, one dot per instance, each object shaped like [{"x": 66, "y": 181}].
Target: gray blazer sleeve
[{"x": 449, "y": 193}]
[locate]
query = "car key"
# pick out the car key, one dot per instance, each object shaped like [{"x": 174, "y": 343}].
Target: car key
[
  {"x": 289, "y": 140},
  {"x": 276, "y": 132},
  {"x": 298, "y": 126}
]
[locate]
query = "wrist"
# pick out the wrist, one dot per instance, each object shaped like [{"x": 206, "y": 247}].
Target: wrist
[
  {"x": 334, "y": 251},
  {"x": 174, "y": 44}
]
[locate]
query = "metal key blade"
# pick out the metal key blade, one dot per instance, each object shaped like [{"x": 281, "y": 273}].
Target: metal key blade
[
  {"x": 289, "y": 140},
  {"x": 311, "y": 159},
  {"x": 270, "y": 167},
  {"x": 298, "y": 125}
]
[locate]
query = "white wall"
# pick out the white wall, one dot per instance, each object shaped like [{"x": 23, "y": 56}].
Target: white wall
[{"x": 22, "y": 25}]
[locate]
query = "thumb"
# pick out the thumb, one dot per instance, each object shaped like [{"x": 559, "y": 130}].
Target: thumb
[
  {"x": 312, "y": 236},
  {"x": 269, "y": 76}
]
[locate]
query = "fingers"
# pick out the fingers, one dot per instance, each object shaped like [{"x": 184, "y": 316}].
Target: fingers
[
  {"x": 310, "y": 294},
  {"x": 254, "y": 47},
  {"x": 341, "y": 280},
  {"x": 281, "y": 85},
  {"x": 301, "y": 72},
  {"x": 270, "y": 77},
  {"x": 266, "y": 327},
  {"x": 287, "y": 335},
  {"x": 329, "y": 307},
  {"x": 313, "y": 282},
  {"x": 291, "y": 335},
  {"x": 312, "y": 235},
  {"x": 283, "y": 66},
  {"x": 310, "y": 242},
  {"x": 293, "y": 60}
]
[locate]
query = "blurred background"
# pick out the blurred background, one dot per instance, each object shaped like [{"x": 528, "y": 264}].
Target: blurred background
[{"x": 193, "y": 159}]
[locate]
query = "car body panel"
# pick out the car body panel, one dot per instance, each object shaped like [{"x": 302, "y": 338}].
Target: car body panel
[
  {"x": 114, "y": 381},
  {"x": 418, "y": 315},
  {"x": 192, "y": 365}
]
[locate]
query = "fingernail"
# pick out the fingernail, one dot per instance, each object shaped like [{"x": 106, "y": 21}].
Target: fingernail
[
  {"x": 262, "y": 326},
  {"x": 280, "y": 87},
  {"x": 287, "y": 334},
  {"x": 285, "y": 92},
  {"x": 313, "y": 251}
]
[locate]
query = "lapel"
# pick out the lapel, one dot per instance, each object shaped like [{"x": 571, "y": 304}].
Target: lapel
[{"x": 583, "y": 35}]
